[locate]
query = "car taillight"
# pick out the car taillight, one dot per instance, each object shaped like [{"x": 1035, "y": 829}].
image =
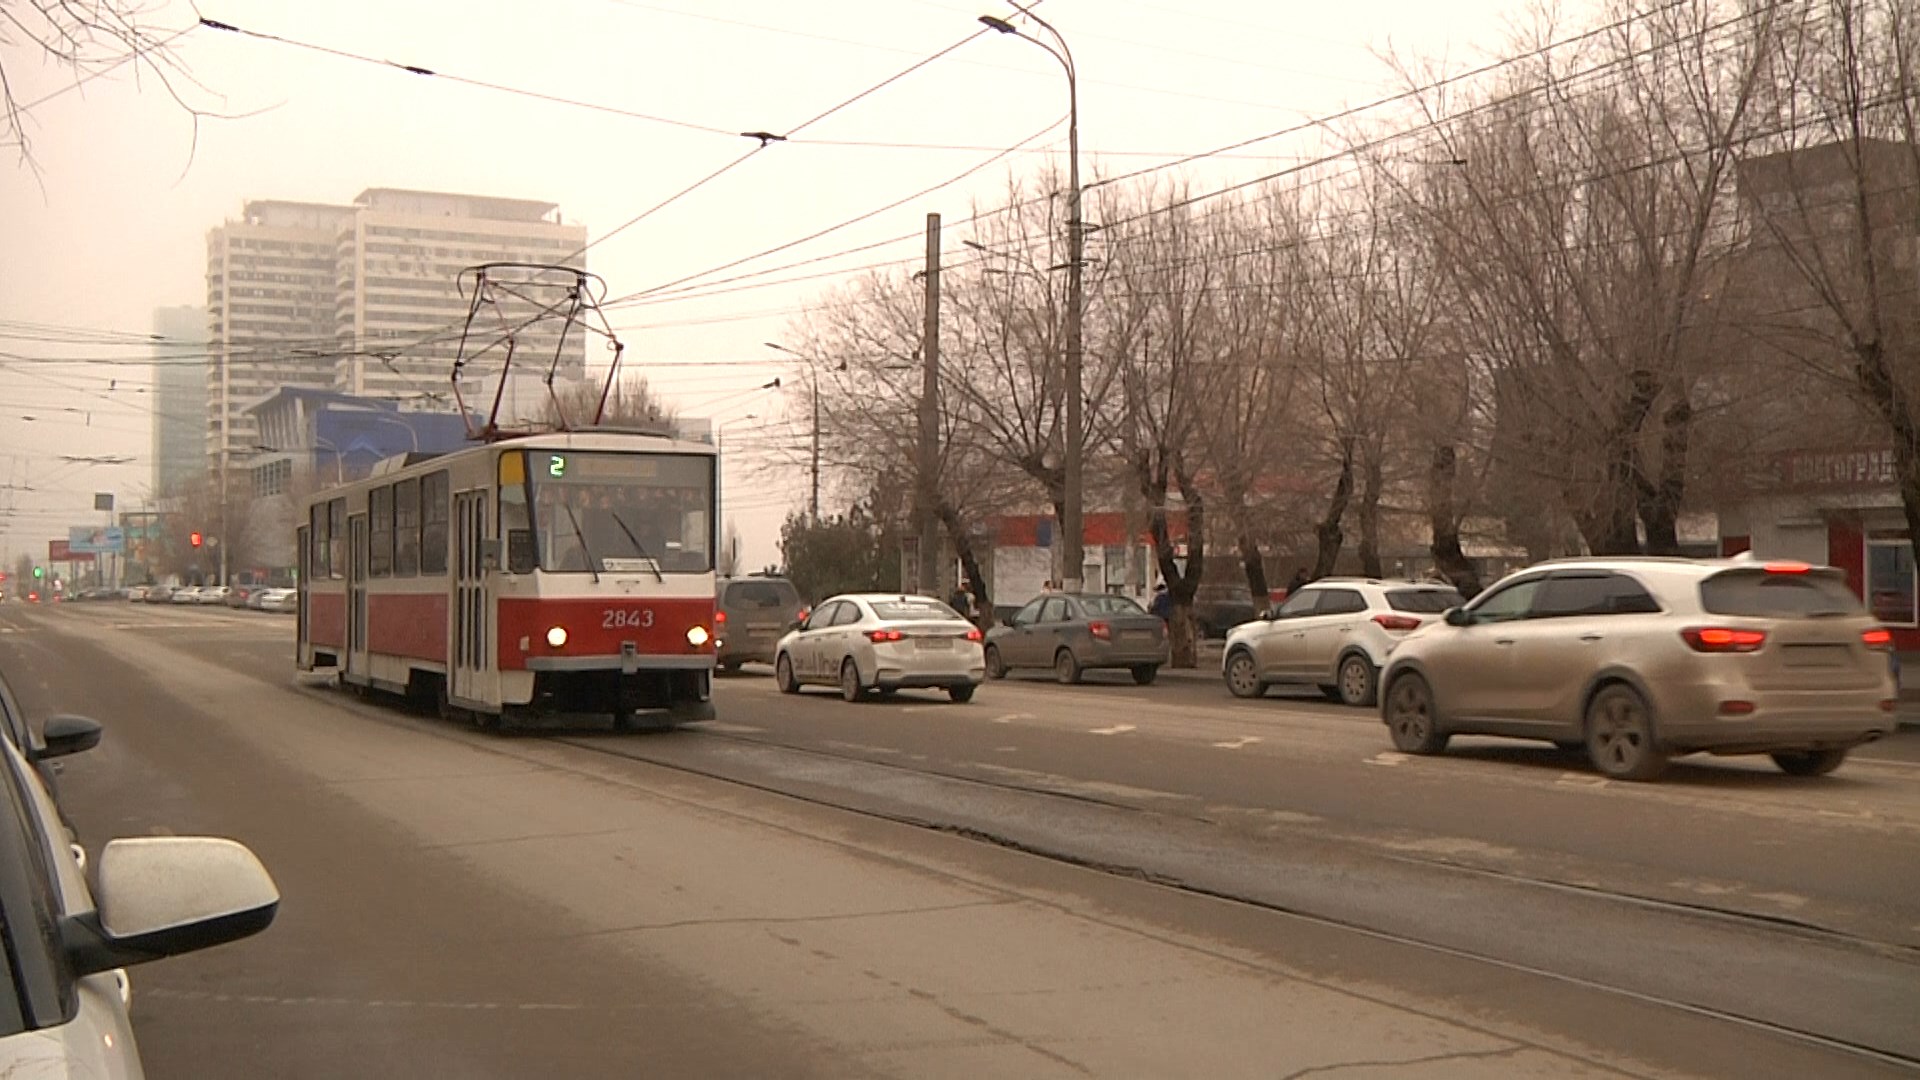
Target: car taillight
[
  {"x": 1721, "y": 639},
  {"x": 975, "y": 634},
  {"x": 1100, "y": 630},
  {"x": 719, "y": 619},
  {"x": 1879, "y": 639},
  {"x": 1397, "y": 622},
  {"x": 879, "y": 637},
  {"x": 1787, "y": 566}
]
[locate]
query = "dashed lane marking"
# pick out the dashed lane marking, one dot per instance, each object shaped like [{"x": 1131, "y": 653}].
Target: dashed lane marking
[
  {"x": 1235, "y": 744},
  {"x": 1010, "y": 718},
  {"x": 725, "y": 728},
  {"x": 1386, "y": 757},
  {"x": 1574, "y": 779},
  {"x": 1117, "y": 729}
]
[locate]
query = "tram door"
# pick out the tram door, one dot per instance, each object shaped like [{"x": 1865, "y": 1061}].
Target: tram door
[
  {"x": 357, "y": 549},
  {"x": 470, "y": 610},
  {"x": 302, "y": 635}
]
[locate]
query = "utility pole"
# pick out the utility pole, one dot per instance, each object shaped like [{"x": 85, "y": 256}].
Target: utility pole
[
  {"x": 226, "y": 418},
  {"x": 1130, "y": 437},
  {"x": 928, "y": 570}
]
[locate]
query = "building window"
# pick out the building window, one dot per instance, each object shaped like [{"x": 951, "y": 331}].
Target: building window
[
  {"x": 1890, "y": 581},
  {"x": 406, "y": 528},
  {"x": 435, "y": 510},
  {"x": 380, "y": 532}
]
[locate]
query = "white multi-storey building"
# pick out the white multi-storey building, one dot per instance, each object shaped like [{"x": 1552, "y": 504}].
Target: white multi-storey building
[
  {"x": 179, "y": 398},
  {"x": 367, "y": 299}
]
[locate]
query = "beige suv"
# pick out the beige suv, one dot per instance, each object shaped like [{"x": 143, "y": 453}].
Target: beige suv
[{"x": 1638, "y": 660}]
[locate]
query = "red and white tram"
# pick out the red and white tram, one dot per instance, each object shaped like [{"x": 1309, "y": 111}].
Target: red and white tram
[{"x": 568, "y": 572}]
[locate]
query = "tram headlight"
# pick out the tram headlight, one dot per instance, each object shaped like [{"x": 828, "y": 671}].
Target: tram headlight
[
  {"x": 556, "y": 636},
  {"x": 697, "y": 636}
]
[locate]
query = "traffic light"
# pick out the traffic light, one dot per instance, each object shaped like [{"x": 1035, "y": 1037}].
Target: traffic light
[
  {"x": 195, "y": 539},
  {"x": 39, "y": 572}
]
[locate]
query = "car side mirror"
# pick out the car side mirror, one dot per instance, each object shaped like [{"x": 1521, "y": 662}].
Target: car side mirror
[
  {"x": 1459, "y": 616},
  {"x": 65, "y": 735},
  {"x": 162, "y": 896}
]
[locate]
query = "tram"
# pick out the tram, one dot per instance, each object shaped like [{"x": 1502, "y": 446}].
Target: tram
[{"x": 569, "y": 572}]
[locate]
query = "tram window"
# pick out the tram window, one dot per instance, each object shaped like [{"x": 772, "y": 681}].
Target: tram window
[
  {"x": 317, "y": 538},
  {"x": 380, "y": 532},
  {"x": 622, "y": 512},
  {"x": 436, "y": 491},
  {"x": 406, "y": 528},
  {"x": 515, "y": 525},
  {"x": 337, "y": 538}
]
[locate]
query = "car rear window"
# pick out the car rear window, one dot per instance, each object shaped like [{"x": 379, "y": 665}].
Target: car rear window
[
  {"x": 914, "y": 611},
  {"x": 1754, "y": 592},
  {"x": 1424, "y": 601},
  {"x": 767, "y": 594}
]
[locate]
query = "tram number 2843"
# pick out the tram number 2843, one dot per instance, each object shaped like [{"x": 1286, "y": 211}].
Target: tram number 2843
[{"x": 624, "y": 618}]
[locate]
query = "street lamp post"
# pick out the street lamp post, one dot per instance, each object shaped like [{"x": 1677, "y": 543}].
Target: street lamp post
[{"x": 1072, "y": 556}]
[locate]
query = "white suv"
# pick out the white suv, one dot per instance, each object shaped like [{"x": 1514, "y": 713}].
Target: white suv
[{"x": 1334, "y": 633}]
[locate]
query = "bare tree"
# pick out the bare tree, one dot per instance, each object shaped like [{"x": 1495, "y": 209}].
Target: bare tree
[
  {"x": 90, "y": 39},
  {"x": 629, "y": 403},
  {"x": 1832, "y": 177}
]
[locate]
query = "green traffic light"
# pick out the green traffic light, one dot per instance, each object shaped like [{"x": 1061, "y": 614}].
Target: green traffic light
[{"x": 39, "y": 572}]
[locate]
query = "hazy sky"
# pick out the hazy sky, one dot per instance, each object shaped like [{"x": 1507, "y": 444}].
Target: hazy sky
[{"x": 113, "y": 224}]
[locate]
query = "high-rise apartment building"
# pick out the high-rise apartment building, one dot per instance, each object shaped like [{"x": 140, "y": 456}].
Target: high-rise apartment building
[
  {"x": 179, "y": 397},
  {"x": 270, "y": 312},
  {"x": 367, "y": 299}
]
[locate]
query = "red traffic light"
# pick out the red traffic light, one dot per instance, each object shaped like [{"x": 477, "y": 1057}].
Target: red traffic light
[{"x": 195, "y": 539}]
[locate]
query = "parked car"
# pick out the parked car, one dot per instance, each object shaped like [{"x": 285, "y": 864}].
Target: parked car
[
  {"x": 1334, "y": 633},
  {"x": 1637, "y": 661},
  {"x": 136, "y": 593},
  {"x": 185, "y": 594},
  {"x": 212, "y": 594},
  {"x": 160, "y": 594},
  {"x": 236, "y": 596},
  {"x": 750, "y": 615},
  {"x": 281, "y": 600},
  {"x": 886, "y": 642},
  {"x": 1071, "y": 632},
  {"x": 63, "y": 1006},
  {"x": 1218, "y": 607}
]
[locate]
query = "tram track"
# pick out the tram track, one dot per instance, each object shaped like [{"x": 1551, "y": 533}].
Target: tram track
[
  {"x": 634, "y": 751},
  {"x": 690, "y": 752}
]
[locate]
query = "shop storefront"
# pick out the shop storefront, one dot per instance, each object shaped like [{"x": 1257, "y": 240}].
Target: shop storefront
[{"x": 1840, "y": 508}]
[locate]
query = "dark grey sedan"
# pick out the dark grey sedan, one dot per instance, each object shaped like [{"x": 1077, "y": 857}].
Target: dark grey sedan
[{"x": 1071, "y": 632}]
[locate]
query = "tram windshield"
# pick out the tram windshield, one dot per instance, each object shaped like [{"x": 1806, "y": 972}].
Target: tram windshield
[{"x": 602, "y": 512}]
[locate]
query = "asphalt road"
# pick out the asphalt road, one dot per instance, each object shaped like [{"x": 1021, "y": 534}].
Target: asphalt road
[{"x": 1098, "y": 880}]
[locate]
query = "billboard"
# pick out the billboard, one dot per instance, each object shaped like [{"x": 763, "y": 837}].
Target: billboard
[
  {"x": 62, "y": 551},
  {"x": 97, "y": 539}
]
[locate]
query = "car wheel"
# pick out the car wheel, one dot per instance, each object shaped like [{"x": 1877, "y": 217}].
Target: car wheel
[
  {"x": 1243, "y": 679},
  {"x": 1620, "y": 738},
  {"x": 1144, "y": 674},
  {"x": 1357, "y": 678},
  {"x": 850, "y": 687},
  {"x": 996, "y": 666},
  {"x": 730, "y": 667},
  {"x": 1411, "y": 718},
  {"x": 783, "y": 675},
  {"x": 1065, "y": 668},
  {"x": 1330, "y": 691},
  {"x": 625, "y": 720},
  {"x": 961, "y": 694},
  {"x": 1808, "y": 762}
]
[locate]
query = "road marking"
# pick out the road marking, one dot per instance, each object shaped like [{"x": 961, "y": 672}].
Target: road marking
[
  {"x": 1576, "y": 779},
  {"x": 725, "y": 728},
  {"x": 919, "y": 708},
  {"x": 1386, "y": 757},
  {"x": 1010, "y": 718},
  {"x": 1117, "y": 729},
  {"x": 1006, "y": 749},
  {"x": 1244, "y": 740}
]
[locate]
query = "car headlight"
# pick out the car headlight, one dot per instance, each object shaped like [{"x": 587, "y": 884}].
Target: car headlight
[
  {"x": 556, "y": 636},
  {"x": 697, "y": 636}
]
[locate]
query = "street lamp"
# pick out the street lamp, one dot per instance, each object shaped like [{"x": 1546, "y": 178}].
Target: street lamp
[
  {"x": 1072, "y": 555},
  {"x": 813, "y": 391},
  {"x": 720, "y": 429}
]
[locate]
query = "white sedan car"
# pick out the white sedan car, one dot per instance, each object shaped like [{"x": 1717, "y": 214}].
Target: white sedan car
[{"x": 862, "y": 642}]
